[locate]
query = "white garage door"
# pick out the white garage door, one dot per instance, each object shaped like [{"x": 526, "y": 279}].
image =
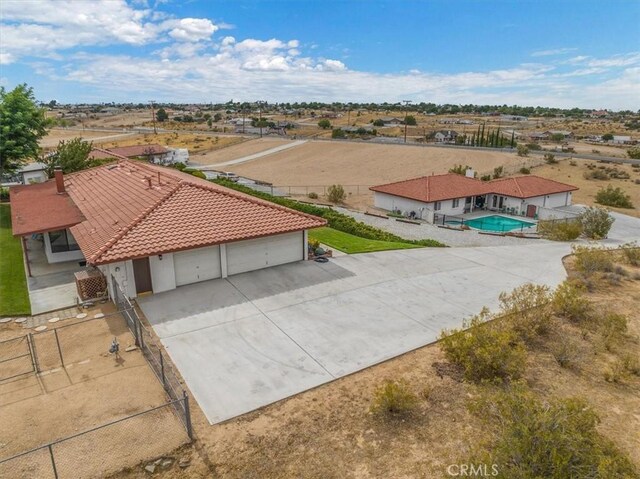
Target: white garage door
[
  {"x": 197, "y": 265},
  {"x": 263, "y": 252}
]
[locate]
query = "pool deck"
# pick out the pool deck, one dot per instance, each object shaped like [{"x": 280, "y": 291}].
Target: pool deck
[{"x": 485, "y": 213}]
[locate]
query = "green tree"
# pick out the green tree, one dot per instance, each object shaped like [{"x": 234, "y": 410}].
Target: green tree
[
  {"x": 410, "y": 120},
  {"x": 324, "y": 124},
  {"x": 522, "y": 150},
  {"x": 22, "y": 124},
  {"x": 596, "y": 223},
  {"x": 338, "y": 133},
  {"x": 634, "y": 153},
  {"x": 162, "y": 115},
  {"x": 217, "y": 117},
  {"x": 607, "y": 136},
  {"x": 378, "y": 122},
  {"x": 72, "y": 155},
  {"x": 557, "y": 137}
]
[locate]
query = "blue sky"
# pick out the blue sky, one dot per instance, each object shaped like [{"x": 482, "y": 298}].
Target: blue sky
[{"x": 550, "y": 53}]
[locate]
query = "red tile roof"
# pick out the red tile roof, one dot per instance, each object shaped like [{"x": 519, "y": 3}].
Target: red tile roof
[
  {"x": 38, "y": 208},
  {"x": 449, "y": 186},
  {"x": 528, "y": 186},
  {"x": 125, "y": 218},
  {"x": 101, "y": 154}
]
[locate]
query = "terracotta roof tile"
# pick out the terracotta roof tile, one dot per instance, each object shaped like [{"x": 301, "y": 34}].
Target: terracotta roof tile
[
  {"x": 135, "y": 209},
  {"x": 138, "y": 150},
  {"x": 528, "y": 186}
]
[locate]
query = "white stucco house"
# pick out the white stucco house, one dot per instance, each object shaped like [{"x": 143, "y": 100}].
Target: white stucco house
[
  {"x": 452, "y": 194},
  {"x": 154, "y": 229},
  {"x": 33, "y": 173}
]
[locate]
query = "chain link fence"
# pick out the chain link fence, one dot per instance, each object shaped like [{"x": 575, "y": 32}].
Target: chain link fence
[{"x": 102, "y": 450}]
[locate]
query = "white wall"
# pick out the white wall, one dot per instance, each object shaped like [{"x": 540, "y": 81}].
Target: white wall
[
  {"x": 60, "y": 257},
  {"x": 123, "y": 275},
  {"x": 391, "y": 202},
  {"x": 547, "y": 201},
  {"x": 446, "y": 207},
  {"x": 29, "y": 177},
  {"x": 163, "y": 275}
]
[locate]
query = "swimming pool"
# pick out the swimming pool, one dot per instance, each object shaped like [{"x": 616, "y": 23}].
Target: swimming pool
[{"x": 498, "y": 223}]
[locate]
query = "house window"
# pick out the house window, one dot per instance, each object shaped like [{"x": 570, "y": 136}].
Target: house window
[
  {"x": 437, "y": 206},
  {"x": 62, "y": 241},
  {"x": 456, "y": 202}
]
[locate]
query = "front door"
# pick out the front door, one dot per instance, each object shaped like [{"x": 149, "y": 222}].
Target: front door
[
  {"x": 531, "y": 211},
  {"x": 142, "y": 275}
]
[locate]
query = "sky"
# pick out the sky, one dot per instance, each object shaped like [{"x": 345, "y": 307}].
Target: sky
[{"x": 559, "y": 53}]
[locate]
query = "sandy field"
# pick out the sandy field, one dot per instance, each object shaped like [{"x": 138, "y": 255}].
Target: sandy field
[
  {"x": 196, "y": 143},
  {"x": 574, "y": 175},
  {"x": 235, "y": 151},
  {"x": 56, "y": 135},
  {"x": 329, "y": 432},
  {"x": 351, "y": 163},
  {"x": 92, "y": 389}
]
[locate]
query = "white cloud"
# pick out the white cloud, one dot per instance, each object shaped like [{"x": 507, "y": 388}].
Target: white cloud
[
  {"x": 553, "y": 52},
  {"x": 193, "y": 29}
]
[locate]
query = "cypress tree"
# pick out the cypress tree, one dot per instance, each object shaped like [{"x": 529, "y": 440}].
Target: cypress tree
[
  {"x": 513, "y": 134},
  {"x": 482, "y": 136}
]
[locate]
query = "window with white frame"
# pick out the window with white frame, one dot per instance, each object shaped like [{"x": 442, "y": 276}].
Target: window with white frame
[
  {"x": 456, "y": 202},
  {"x": 437, "y": 206}
]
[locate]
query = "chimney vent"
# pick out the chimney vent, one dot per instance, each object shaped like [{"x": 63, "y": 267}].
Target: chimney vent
[
  {"x": 148, "y": 178},
  {"x": 57, "y": 172}
]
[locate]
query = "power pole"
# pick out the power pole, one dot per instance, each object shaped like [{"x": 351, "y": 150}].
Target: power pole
[
  {"x": 153, "y": 116},
  {"x": 260, "y": 103},
  {"x": 406, "y": 104},
  {"x": 243, "y": 115}
]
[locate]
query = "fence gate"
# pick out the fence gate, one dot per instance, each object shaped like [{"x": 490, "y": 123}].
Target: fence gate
[{"x": 16, "y": 357}]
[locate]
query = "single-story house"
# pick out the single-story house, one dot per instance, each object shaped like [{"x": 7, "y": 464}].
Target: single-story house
[
  {"x": 565, "y": 133},
  {"x": 452, "y": 194},
  {"x": 445, "y": 136},
  {"x": 33, "y": 173},
  {"x": 621, "y": 140},
  {"x": 155, "y": 153},
  {"x": 392, "y": 121},
  {"x": 154, "y": 228}
]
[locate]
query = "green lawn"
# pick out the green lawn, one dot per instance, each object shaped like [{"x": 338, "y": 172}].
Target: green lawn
[
  {"x": 353, "y": 244},
  {"x": 14, "y": 296}
]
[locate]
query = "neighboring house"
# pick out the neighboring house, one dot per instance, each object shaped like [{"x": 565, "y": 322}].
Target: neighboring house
[
  {"x": 33, "y": 173},
  {"x": 154, "y": 153},
  {"x": 599, "y": 114},
  {"x": 538, "y": 136},
  {"x": 566, "y": 134},
  {"x": 621, "y": 140},
  {"x": 392, "y": 121},
  {"x": 514, "y": 117},
  {"x": 453, "y": 194},
  {"x": 154, "y": 228},
  {"x": 445, "y": 136}
]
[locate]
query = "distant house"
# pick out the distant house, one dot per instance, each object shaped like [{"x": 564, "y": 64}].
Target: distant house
[
  {"x": 538, "y": 136},
  {"x": 566, "y": 134},
  {"x": 621, "y": 140},
  {"x": 445, "y": 136},
  {"x": 452, "y": 194},
  {"x": 599, "y": 114},
  {"x": 33, "y": 173},
  {"x": 154, "y": 153},
  {"x": 514, "y": 117},
  {"x": 392, "y": 121}
]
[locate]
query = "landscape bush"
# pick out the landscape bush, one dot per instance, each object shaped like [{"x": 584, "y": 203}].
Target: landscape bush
[
  {"x": 336, "y": 194},
  {"x": 612, "y": 328},
  {"x": 485, "y": 178},
  {"x": 596, "y": 223},
  {"x": 498, "y": 172},
  {"x": 522, "y": 150},
  {"x": 198, "y": 174},
  {"x": 634, "y": 152},
  {"x": 484, "y": 349},
  {"x": 616, "y": 197},
  {"x": 631, "y": 253},
  {"x": 550, "y": 159},
  {"x": 570, "y": 302},
  {"x": 393, "y": 398},
  {"x": 596, "y": 175},
  {"x": 338, "y": 133},
  {"x": 592, "y": 259},
  {"x": 560, "y": 230},
  {"x": 525, "y": 171},
  {"x": 335, "y": 220},
  {"x": 313, "y": 196},
  {"x": 566, "y": 352},
  {"x": 528, "y": 309},
  {"x": 4, "y": 194},
  {"x": 533, "y": 146},
  {"x": 551, "y": 439},
  {"x": 459, "y": 169}
]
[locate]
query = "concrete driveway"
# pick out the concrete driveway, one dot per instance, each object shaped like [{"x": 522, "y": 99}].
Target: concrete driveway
[{"x": 255, "y": 338}]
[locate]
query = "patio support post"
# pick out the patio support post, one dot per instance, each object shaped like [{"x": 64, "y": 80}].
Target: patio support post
[{"x": 26, "y": 255}]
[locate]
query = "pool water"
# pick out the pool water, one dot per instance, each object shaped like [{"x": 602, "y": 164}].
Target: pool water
[{"x": 498, "y": 223}]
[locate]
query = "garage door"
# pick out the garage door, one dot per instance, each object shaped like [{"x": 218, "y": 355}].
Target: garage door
[
  {"x": 263, "y": 252},
  {"x": 197, "y": 265}
]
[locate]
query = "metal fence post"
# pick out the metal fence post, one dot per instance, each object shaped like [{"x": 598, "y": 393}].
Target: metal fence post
[
  {"x": 55, "y": 332},
  {"x": 187, "y": 415},
  {"x": 164, "y": 380},
  {"x": 139, "y": 323},
  {"x": 53, "y": 462}
]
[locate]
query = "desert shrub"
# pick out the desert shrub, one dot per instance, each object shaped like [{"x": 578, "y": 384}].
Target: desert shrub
[
  {"x": 198, "y": 174},
  {"x": 338, "y": 133},
  {"x": 459, "y": 169},
  {"x": 596, "y": 222},
  {"x": 570, "y": 302},
  {"x": 485, "y": 178},
  {"x": 313, "y": 196},
  {"x": 522, "y": 150},
  {"x": 596, "y": 175},
  {"x": 553, "y": 439},
  {"x": 393, "y": 397},
  {"x": 566, "y": 352},
  {"x": 528, "y": 309},
  {"x": 533, "y": 146},
  {"x": 336, "y": 194},
  {"x": 573, "y": 163},
  {"x": 631, "y": 364},
  {"x": 634, "y": 152},
  {"x": 498, "y": 172},
  {"x": 616, "y": 372},
  {"x": 616, "y": 197},
  {"x": 550, "y": 158},
  {"x": 525, "y": 171},
  {"x": 485, "y": 350},
  {"x": 631, "y": 252},
  {"x": 612, "y": 328},
  {"x": 560, "y": 230},
  {"x": 589, "y": 260}
]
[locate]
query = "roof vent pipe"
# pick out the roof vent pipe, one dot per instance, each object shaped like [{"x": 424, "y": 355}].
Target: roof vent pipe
[
  {"x": 148, "y": 178},
  {"x": 57, "y": 172}
]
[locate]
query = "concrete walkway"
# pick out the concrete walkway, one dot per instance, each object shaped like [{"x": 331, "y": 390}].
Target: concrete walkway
[{"x": 255, "y": 156}]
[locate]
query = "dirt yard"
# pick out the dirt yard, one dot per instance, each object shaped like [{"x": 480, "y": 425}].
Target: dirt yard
[
  {"x": 237, "y": 150},
  {"x": 329, "y": 432},
  {"x": 92, "y": 389},
  {"x": 574, "y": 175},
  {"x": 196, "y": 143},
  {"x": 56, "y": 135}
]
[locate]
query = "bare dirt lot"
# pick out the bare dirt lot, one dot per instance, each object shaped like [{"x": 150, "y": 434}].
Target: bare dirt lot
[
  {"x": 329, "y": 432},
  {"x": 93, "y": 388},
  {"x": 574, "y": 175},
  {"x": 234, "y": 151},
  {"x": 56, "y": 135}
]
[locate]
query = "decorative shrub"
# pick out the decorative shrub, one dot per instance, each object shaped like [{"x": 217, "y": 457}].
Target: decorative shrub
[
  {"x": 591, "y": 260},
  {"x": 612, "y": 327},
  {"x": 631, "y": 252},
  {"x": 525, "y": 171},
  {"x": 498, "y": 172},
  {"x": 616, "y": 197},
  {"x": 550, "y": 158},
  {"x": 528, "y": 309},
  {"x": 596, "y": 222},
  {"x": 313, "y": 196},
  {"x": 566, "y": 352},
  {"x": 485, "y": 350},
  {"x": 336, "y": 194},
  {"x": 560, "y": 230},
  {"x": 393, "y": 397},
  {"x": 522, "y": 150},
  {"x": 570, "y": 302}
]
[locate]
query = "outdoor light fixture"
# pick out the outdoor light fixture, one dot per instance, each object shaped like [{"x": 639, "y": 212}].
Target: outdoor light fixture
[
  {"x": 160, "y": 257},
  {"x": 117, "y": 269}
]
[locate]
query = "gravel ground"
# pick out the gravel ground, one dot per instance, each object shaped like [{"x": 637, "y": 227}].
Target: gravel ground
[{"x": 424, "y": 231}]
